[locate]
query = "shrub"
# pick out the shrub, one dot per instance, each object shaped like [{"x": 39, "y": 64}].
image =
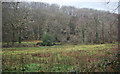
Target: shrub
[{"x": 47, "y": 39}]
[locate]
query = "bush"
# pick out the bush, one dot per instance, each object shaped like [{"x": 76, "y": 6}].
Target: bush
[{"x": 47, "y": 39}]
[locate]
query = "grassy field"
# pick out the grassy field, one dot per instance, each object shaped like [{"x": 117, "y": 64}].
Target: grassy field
[{"x": 61, "y": 58}]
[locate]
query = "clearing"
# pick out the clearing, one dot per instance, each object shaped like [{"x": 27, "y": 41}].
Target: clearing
[{"x": 61, "y": 58}]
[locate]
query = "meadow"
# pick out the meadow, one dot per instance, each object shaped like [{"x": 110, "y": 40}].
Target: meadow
[{"x": 60, "y": 58}]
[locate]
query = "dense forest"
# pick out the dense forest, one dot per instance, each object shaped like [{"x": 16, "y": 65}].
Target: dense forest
[{"x": 30, "y": 21}]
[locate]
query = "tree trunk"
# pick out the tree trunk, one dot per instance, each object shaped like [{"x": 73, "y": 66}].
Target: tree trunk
[
  {"x": 111, "y": 39},
  {"x": 33, "y": 35},
  {"x": 13, "y": 38},
  {"x": 19, "y": 39},
  {"x": 83, "y": 34},
  {"x": 38, "y": 33},
  {"x": 103, "y": 32},
  {"x": 96, "y": 21}
]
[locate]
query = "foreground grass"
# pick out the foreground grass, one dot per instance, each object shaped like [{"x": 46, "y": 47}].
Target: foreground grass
[{"x": 60, "y": 58}]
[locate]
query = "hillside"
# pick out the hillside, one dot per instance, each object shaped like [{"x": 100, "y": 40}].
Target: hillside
[{"x": 66, "y": 23}]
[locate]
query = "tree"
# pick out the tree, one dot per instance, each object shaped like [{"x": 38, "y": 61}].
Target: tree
[
  {"x": 96, "y": 21},
  {"x": 47, "y": 39},
  {"x": 103, "y": 32},
  {"x": 17, "y": 17},
  {"x": 29, "y": 21},
  {"x": 83, "y": 34}
]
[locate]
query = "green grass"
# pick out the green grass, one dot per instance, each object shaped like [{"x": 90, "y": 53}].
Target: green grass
[
  {"x": 59, "y": 58},
  {"x": 21, "y": 43},
  {"x": 54, "y": 49}
]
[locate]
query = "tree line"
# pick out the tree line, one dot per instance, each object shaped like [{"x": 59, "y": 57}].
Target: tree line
[{"x": 31, "y": 20}]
